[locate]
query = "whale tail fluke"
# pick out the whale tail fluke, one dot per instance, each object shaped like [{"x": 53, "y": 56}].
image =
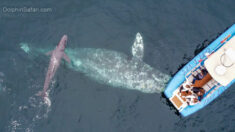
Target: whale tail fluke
[
  {"x": 45, "y": 97},
  {"x": 42, "y": 94},
  {"x": 138, "y": 47}
]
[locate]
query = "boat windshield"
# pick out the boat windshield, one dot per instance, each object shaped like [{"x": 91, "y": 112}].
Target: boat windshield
[{"x": 220, "y": 64}]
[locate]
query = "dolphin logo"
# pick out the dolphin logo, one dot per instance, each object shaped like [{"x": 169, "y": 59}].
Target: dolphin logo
[{"x": 56, "y": 55}]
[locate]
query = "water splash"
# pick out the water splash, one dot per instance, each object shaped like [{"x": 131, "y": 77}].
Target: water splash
[
  {"x": 33, "y": 51},
  {"x": 2, "y": 87},
  {"x": 47, "y": 101},
  {"x": 25, "y": 47},
  {"x": 27, "y": 115}
]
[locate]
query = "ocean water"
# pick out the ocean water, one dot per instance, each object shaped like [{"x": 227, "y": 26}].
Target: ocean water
[{"x": 173, "y": 31}]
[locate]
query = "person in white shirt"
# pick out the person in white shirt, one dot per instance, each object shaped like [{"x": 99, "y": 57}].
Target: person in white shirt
[{"x": 192, "y": 99}]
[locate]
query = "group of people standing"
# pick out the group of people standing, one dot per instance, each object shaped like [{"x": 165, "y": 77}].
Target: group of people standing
[{"x": 191, "y": 94}]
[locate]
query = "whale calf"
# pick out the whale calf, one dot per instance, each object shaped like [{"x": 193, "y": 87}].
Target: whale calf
[
  {"x": 115, "y": 68},
  {"x": 56, "y": 55}
]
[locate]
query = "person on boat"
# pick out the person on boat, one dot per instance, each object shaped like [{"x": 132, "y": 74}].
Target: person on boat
[
  {"x": 192, "y": 99},
  {"x": 185, "y": 88},
  {"x": 187, "y": 85},
  {"x": 200, "y": 95},
  {"x": 185, "y": 93},
  {"x": 199, "y": 92},
  {"x": 200, "y": 75}
]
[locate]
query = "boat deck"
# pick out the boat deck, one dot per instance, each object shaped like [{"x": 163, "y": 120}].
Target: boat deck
[
  {"x": 177, "y": 101},
  {"x": 207, "y": 83}
]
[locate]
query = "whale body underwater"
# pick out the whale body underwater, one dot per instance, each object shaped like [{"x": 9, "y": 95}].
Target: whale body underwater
[{"x": 115, "y": 68}]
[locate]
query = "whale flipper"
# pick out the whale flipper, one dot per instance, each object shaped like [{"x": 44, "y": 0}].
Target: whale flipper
[
  {"x": 66, "y": 58},
  {"x": 49, "y": 53},
  {"x": 138, "y": 47}
]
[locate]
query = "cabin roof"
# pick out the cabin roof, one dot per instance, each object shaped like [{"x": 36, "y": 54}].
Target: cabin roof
[{"x": 221, "y": 56}]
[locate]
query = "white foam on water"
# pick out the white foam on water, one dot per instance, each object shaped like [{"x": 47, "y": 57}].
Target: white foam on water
[
  {"x": 24, "y": 47},
  {"x": 15, "y": 125},
  {"x": 2, "y": 74},
  {"x": 28, "y": 115},
  {"x": 47, "y": 100},
  {"x": 2, "y": 87},
  {"x": 36, "y": 107}
]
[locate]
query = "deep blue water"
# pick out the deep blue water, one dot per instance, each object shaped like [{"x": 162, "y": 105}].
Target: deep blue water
[{"x": 173, "y": 32}]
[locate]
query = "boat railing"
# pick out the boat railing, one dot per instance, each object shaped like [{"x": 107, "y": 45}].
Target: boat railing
[
  {"x": 193, "y": 70},
  {"x": 213, "y": 88}
]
